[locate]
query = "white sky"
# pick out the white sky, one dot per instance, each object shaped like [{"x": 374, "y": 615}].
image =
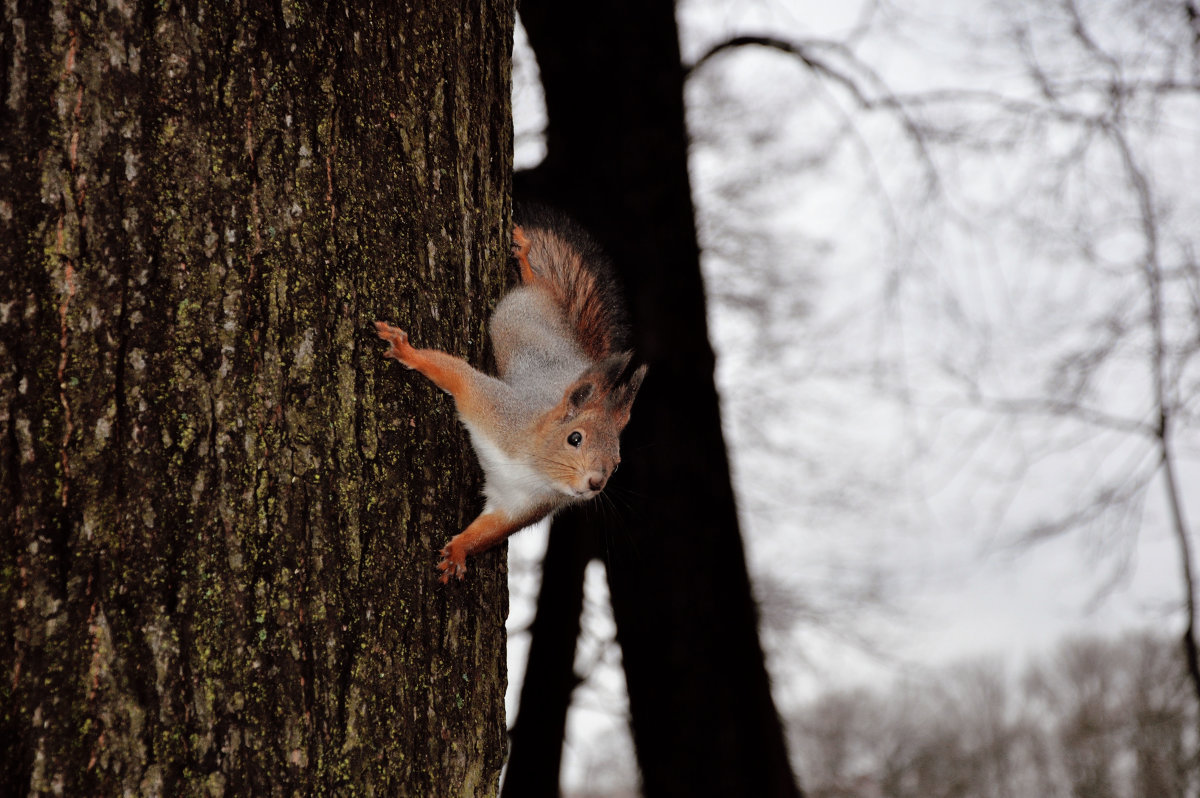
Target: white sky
[{"x": 828, "y": 307}]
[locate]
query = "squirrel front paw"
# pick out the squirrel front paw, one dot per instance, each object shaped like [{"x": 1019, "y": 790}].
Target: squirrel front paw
[
  {"x": 400, "y": 348},
  {"x": 454, "y": 562}
]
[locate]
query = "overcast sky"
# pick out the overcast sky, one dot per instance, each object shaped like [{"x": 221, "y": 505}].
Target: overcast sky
[{"x": 858, "y": 312}]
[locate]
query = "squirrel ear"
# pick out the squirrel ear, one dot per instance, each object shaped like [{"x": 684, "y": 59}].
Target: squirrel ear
[
  {"x": 635, "y": 381},
  {"x": 613, "y": 366},
  {"x": 580, "y": 392},
  {"x": 621, "y": 400},
  {"x": 603, "y": 379},
  {"x": 577, "y": 395}
]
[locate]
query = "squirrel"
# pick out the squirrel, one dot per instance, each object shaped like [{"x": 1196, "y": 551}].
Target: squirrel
[{"x": 546, "y": 430}]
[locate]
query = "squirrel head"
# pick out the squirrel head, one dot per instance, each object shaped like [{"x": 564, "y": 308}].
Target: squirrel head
[{"x": 580, "y": 438}]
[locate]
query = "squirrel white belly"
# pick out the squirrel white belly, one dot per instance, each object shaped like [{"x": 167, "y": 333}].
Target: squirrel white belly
[{"x": 546, "y": 431}]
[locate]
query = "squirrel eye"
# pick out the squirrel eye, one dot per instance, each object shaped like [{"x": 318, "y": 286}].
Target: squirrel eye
[{"x": 575, "y": 439}]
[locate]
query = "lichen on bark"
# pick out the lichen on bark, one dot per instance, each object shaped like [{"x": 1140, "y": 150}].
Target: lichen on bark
[{"x": 221, "y": 508}]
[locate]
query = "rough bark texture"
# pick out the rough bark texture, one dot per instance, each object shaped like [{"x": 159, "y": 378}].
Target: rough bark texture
[
  {"x": 220, "y": 507},
  {"x": 703, "y": 719}
]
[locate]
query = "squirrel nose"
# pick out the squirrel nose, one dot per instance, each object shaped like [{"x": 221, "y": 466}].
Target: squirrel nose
[{"x": 595, "y": 481}]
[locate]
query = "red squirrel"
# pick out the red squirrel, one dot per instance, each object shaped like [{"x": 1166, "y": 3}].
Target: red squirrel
[{"x": 546, "y": 431}]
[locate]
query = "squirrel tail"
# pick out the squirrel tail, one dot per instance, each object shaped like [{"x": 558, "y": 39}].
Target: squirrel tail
[{"x": 560, "y": 257}]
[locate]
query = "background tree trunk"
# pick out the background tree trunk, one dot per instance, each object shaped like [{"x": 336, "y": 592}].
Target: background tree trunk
[
  {"x": 537, "y": 737},
  {"x": 221, "y": 507},
  {"x": 703, "y": 719}
]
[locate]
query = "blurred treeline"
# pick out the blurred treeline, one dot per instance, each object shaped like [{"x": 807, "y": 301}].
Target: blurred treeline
[{"x": 1097, "y": 718}]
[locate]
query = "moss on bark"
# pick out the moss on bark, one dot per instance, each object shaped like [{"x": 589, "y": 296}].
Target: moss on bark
[{"x": 221, "y": 507}]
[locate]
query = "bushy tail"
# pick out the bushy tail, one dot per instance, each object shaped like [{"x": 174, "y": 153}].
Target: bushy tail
[{"x": 564, "y": 260}]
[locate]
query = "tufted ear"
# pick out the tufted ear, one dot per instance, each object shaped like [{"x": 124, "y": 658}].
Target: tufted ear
[
  {"x": 611, "y": 368},
  {"x": 594, "y": 384},
  {"x": 620, "y": 400}
]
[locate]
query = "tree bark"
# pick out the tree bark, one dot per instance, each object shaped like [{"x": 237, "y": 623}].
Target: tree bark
[
  {"x": 703, "y": 719},
  {"x": 221, "y": 508}
]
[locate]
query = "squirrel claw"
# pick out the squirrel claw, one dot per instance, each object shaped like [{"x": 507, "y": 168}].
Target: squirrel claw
[
  {"x": 398, "y": 339},
  {"x": 453, "y": 564}
]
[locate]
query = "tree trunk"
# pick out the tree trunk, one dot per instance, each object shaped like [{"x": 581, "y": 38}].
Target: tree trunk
[
  {"x": 221, "y": 506},
  {"x": 537, "y": 737},
  {"x": 703, "y": 719}
]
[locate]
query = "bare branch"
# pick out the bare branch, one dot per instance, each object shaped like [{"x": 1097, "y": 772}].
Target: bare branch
[
  {"x": 1097, "y": 506},
  {"x": 1081, "y": 33},
  {"x": 1061, "y": 408},
  {"x": 884, "y": 99}
]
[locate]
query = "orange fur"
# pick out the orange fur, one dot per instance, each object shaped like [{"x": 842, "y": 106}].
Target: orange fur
[
  {"x": 521, "y": 253},
  {"x": 453, "y": 375},
  {"x": 547, "y": 431},
  {"x": 489, "y": 529},
  {"x": 559, "y": 269}
]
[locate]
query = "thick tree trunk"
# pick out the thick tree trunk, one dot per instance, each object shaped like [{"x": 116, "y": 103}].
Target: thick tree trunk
[
  {"x": 702, "y": 714},
  {"x": 221, "y": 508}
]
